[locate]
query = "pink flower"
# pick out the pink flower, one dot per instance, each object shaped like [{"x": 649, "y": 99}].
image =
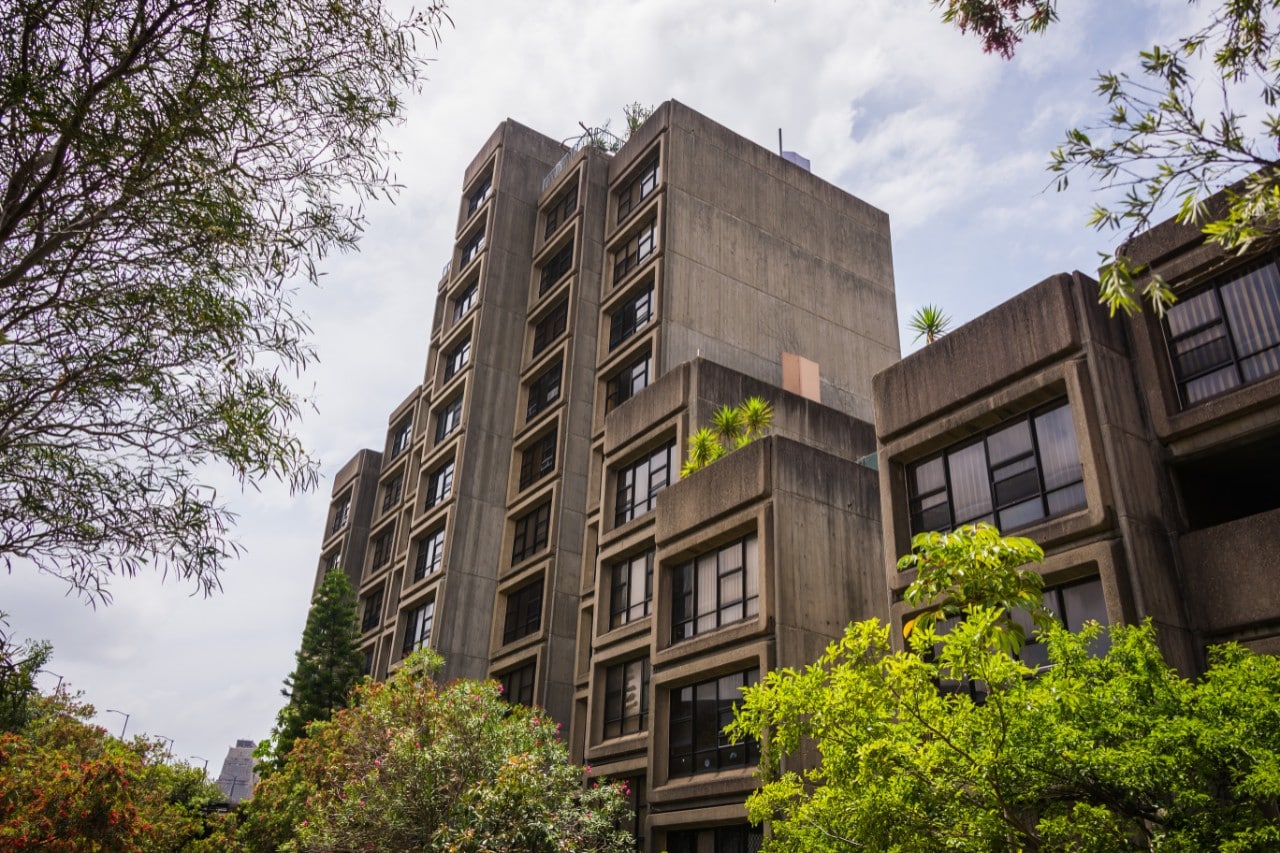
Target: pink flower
[{"x": 377, "y": 762}]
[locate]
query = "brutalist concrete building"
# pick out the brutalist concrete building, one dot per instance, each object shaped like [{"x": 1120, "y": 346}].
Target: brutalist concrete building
[
  {"x": 1142, "y": 453},
  {"x": 526, "y": 516}
]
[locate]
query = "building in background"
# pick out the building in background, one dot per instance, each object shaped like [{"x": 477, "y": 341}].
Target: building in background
[
  {"x": 238, "y": 777},
  {"x": 597, "y": 309}
]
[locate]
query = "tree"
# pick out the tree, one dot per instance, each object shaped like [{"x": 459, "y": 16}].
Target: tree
[
  {"x": 69, "y": 786},
  {"x": 418, "y": 765},
  {"x": 19, "y": 664},
  {"x": 929, "y": 322},
  {"x": 731, "y": 427},
  {"x": 1170, "y": 138},
  {"x": 328, "y": 665},
  {"x": 168, "y": 168},
  {"x": 1093, "y": 753}
]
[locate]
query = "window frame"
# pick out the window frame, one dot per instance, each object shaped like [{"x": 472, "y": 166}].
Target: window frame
[
  {"x": 532, "y": 533},
  {"x": 691, "y": 605},
  {"x": 448, "y": 418},
  {"x": 480, "y": 195},
  {"x": 402, "y": 437},
  {"x": 640, "y": 369},
  {"x": 523, "y": 611},
  {"x": 371, "y": 610},
  {"x": 472, "y": 248},
  {"x": 466, "y": 300},
  {"x": 638, "y": 248},
  {"x": 550, "y": 327},
  {"x": 341, "y": 513},
  {"x": 544, "y": 390},
  {"x": 629, "y": 312},
  {"x": 418, "y": 627},
  {"x": 524, "y": 686},
  {"x": 392, "y": 492},
  {"x": 429, "y": 554},
  {"x": 680, "y": 755},
  {"x": 457, "y": 358},
  {"x": 560, "y": 210},
  {"x": 623, "y": 606},
  {"x": 439, "y": 484},
  {"x": 642, "y": 184},
  {"x": 628, "y": 503},
  {"x": 382, "y": 548},
  {"x": 538, "y": 459},
  {"x": 556, "y": 268},
  {"x": 922, "y": 502},
  {"x": 617, "y": 722}
]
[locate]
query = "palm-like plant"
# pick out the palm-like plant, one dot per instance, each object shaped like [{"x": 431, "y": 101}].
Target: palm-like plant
[
  {"x": 731, "y": 427},
  {"x": 929, "y": 322}
]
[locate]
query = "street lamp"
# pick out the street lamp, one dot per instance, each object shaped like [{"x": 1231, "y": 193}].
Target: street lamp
[
  {"x": 58, "y": 687},
  {"x": 206, "y": 763},
  {"x": 126, "y": 720},
  {"x": 168, "y": 751}
]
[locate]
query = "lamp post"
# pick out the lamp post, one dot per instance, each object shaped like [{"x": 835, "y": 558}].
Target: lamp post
[
  {"x": 58, "y": 686},
  {"x": 168, "y": 750},
  {"x": 206, "y": 763},
  {"x": 126, "y": 720}
]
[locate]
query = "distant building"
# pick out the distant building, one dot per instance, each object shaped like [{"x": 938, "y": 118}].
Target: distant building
[{"x": 238, "y": 777}]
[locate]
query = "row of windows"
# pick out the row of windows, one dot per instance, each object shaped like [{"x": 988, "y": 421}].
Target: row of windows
[
  {"x": 699, "y": 714},
  {"x": 716, "y": 589},
  {"x": 1019, "y": 472}
]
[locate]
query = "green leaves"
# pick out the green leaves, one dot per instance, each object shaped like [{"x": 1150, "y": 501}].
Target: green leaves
[{"x": 731, "y": 428}]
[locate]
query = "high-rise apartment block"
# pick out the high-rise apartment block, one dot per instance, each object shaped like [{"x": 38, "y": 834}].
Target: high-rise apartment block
[{"x": 526, "y": 517}]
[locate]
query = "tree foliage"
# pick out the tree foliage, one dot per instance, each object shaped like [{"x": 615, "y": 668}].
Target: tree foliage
[
  {"x": 929, "y": 322},
  {"x": 19, "y": 665},
  {"x": 328, "y": 666},
  {"x": 1173, "y": 134},
  {"x": 731, "y": 427},
  {"x": 167, "y": 169},
  {"x": 1113, "y": 753},
  {"x": 418, "y": 765},
  {"x": 67, "y": 786}
]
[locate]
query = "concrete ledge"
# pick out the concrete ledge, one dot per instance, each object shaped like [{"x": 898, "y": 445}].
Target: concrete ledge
[{"x": 1230, "y": 573}]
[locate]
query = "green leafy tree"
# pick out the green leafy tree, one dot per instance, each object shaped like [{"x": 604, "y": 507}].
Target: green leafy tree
[
  {"x": 1172, "y": 135},
  {"x": 19, "y": 664},
  {"x": 418, "y": 765},
  {"x": 67, "y": 786},
  {"x": 1113, "y": 753},
  {"x": 731, "y": 427},
  {"x": 168, "y": 168},
  {"x": 328, "y": 667}
]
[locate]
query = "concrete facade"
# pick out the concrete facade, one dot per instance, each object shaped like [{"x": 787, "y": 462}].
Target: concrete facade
[
  {"x": 1175, "y": 516},
  {"x": 597, "y": 309}
]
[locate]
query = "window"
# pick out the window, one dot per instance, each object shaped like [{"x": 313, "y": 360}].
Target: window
[
  {"x": 482, "y": 192},
  {"x": 627, "y": 382},
  {"x": 366, "y": 665},
  {"x": 630, "y": 317},
  {"x": 465, "y": 301},
  {"x": 1074, "y": 604},
  {"x": 439, "y": 484},
  {"x": 472, "y": 247},
  {"x": 531, "y": 533},
  {"x": 635, "y": 250},
  {"x": 537, "y": 460},
  {"x": 543, "y": 391},
  {"x": 524, "y": 612},
  {"x": 699, "y": 713},
  {"x": 720, "y": 839},
  {"x": 561, "y": 209},
  {"x": 550, "y": 327},
  {"x": 430, "y": 554},
  {"x": 1227, "y": 335},
  {"x": 341, "y": 510},
  {"x": 382, "y": 549},
  {"x": 517, "y": 685},
  {"x": 556, "y": 268},
  {"x": 401, "y": 437},
  {"x": 456, "y": 359},
  {"x": 391, "y": 492},
  {"x": 638, "y": 484},
  {"x": 638, "y": 188},
  {"x": 1020, "y": 472},
  {"x": 716, "y": 589},
  {"x": 417, "y": 631},
  {"x": 631, "y": 589},
  {"x": 449, "y": 418},
  {"x": 626, "y": 698},
  {"x": 372, "y": 611},
  {"x": 332, "y": 561}
]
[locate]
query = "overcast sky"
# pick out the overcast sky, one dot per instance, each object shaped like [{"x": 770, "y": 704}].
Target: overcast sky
[{"x": 888, "y": 104}]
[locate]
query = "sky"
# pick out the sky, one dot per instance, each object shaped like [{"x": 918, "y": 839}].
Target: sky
[{"x": 887, "y": 102}]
